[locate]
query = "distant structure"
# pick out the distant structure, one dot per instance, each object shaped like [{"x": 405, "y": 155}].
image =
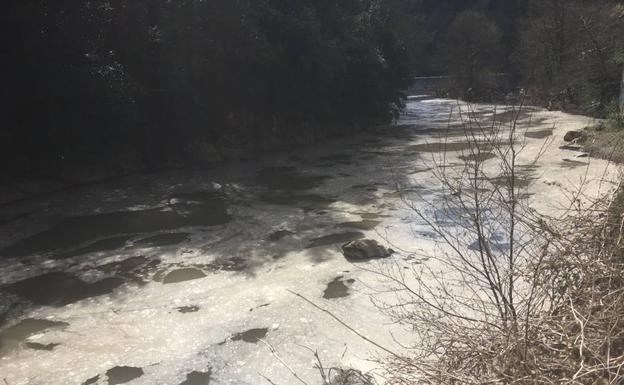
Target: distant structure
[
  {"x": 443, "y": 86},
  {"x": 431, "y": 85}
]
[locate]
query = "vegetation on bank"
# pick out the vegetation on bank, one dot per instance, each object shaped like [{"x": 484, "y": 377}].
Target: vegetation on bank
[
  {"x": 512, "y": 295},
  {"x": 566, "y": 54},
  {"x": 150, "y": 83}
]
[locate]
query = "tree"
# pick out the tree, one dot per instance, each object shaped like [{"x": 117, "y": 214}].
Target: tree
[
  {"x": 140, "y": 82},
  {"x": 472, "y": 49},
  {"x": 567, "y": 53}
]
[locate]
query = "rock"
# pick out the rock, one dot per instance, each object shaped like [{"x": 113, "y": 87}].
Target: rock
[
  {"x": 364, "y": 249},
  {"x": 573, "y": 135}
]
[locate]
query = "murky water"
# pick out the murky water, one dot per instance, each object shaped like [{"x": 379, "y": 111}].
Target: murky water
[
  {"x": 438, "y": 147},
  {"x": 75, "y": 231},
  {"x": 12, "y": 337},
  {"x": 337, "y": 288},
  {"x": 60, "y": 288},
  {"x": 182, "y": 275},
  {"x": 162, "y": 240},
  {"x": 123, "y": 374}
]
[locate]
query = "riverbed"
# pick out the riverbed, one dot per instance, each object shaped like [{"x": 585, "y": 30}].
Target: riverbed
[{"x": 189, "y": 277}]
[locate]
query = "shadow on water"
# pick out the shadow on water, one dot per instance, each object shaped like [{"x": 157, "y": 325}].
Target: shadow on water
[
  {"x": 364, "y": 224},
  {"x": 60, "y": 288},
  {"x": 571, "y": 163},
  {"x": 75, "y": 231},
  {"x": 444, "y": 147},
  {"x": 288, "y": 178},
  {"x": 538, "y": 134},
  {"x": 107, "y": 244},
  {"x": 15, "y": 335},
  {"x": 480, "y": 157},
  {"x": 160, "y": 240},
  {"x": 306, "y": 202}
]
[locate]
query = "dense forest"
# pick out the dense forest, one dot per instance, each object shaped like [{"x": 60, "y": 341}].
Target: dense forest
[{"x": 154, "y": 83}]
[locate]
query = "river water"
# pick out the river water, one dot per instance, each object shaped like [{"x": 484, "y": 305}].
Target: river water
[{"x": 187, "y": 277}]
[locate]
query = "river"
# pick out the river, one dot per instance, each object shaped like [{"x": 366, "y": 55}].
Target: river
[{"x": 187, "y": 277}]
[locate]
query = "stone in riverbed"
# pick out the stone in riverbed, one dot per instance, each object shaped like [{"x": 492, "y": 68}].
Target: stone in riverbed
[
  {"x": 364, "y": 249},
  {"x": 573, "y": 135}
]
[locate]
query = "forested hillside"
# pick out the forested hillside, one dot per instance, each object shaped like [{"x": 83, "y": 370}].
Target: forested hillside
[
  {"x": 566, "y": 53},
  {"x": 144, "y": 82},
  {"x": 149, "y": 84}
]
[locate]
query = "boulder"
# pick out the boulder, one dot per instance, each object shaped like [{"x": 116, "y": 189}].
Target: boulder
[
  {"x": 364, "y": 249},
  {"x": 573, "y": 135}
]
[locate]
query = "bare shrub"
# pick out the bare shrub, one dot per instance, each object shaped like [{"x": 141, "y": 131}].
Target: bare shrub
[{"x": 509, "y": 295}]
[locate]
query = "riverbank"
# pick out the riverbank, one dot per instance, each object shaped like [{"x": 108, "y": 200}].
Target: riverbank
[{"x": 63, "y": 175}]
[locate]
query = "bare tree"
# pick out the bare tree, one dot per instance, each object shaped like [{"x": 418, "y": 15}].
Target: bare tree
[{"x": 497, "y": 301}]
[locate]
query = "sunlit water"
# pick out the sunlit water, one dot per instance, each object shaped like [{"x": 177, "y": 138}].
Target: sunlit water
[{"x": 187, "y": 277}]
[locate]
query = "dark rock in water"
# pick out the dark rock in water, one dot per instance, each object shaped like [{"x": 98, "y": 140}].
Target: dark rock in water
[
  {"x": 365, "y": 249},
  {"x": 573, "y": 135},
  {"x": 251, "y": 336},
  {"x": 60, "y": 289},
  {"x": 38, "y": 346},
  {"x": 123, "y": 374},
  {"x": 198, "y": 378},
  {"x": 334, "y": 238},
  {"x": 91, "y": 380},
  {"x": 279, "y": 235},
  {"x": 188, "y": 309}
]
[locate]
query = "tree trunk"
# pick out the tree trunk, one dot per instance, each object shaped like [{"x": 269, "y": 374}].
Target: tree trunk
[{"x": 622, "y": 93}]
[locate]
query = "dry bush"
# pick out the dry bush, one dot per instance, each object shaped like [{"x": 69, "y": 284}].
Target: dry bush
[{"x": 509, "y": 295}]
